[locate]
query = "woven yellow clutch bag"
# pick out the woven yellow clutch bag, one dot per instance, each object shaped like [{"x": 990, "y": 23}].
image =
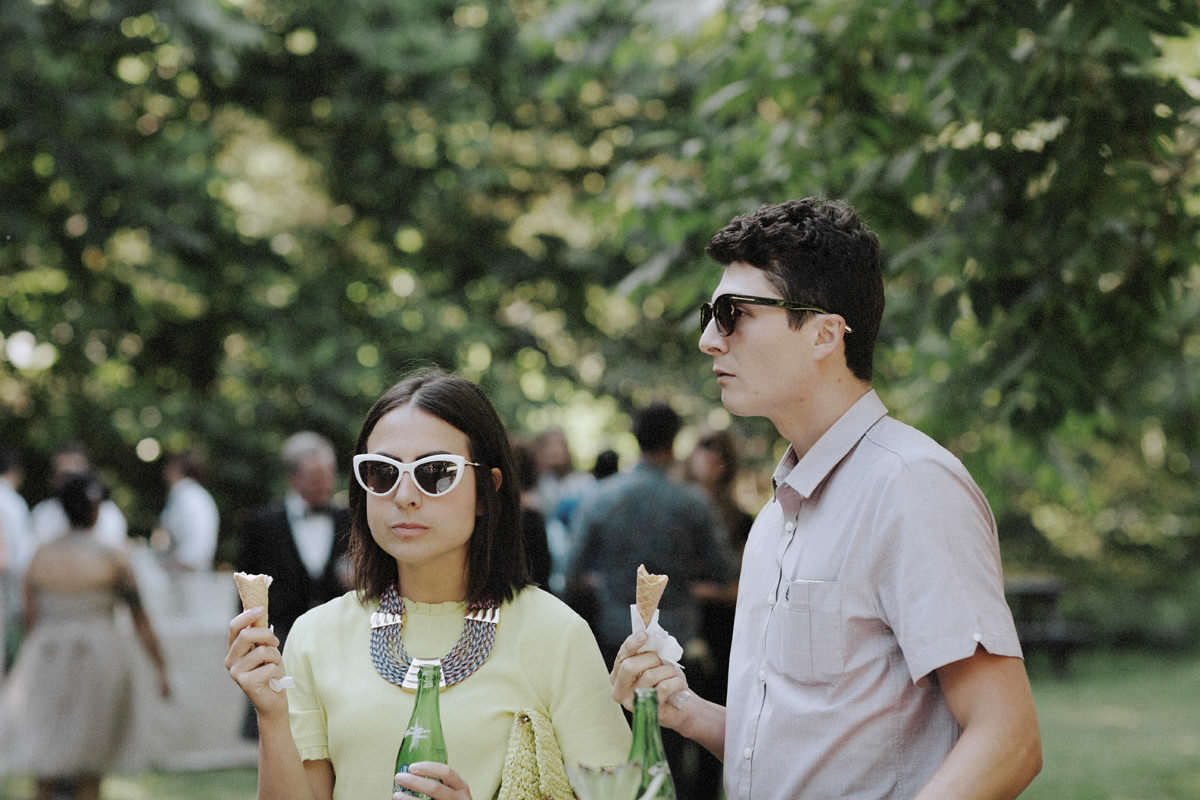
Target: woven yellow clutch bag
[{"x": 533, "y": 765}]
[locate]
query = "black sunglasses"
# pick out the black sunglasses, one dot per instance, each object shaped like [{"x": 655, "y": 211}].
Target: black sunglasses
[{"x": 724, "y": 307}]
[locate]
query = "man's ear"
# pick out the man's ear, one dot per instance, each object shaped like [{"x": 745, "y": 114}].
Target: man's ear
[
  {"x": 497, "y": 477},
  {"x": 829, "y": 334}
]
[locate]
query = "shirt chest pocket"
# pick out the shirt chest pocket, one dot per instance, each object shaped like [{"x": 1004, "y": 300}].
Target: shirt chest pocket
[{"x": 806, "y": 638}]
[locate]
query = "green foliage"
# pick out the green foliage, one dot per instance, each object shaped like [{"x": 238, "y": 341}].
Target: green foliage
[{"x": 227, "y": 220}]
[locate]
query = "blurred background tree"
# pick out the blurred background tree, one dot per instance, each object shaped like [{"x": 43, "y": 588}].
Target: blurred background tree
[{"x": 226, "y": 220}]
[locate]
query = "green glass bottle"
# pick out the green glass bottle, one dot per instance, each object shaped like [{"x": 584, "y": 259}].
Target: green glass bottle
[
  {"x": 647, "y": 747},
  {"x": 423, "y": 739}
]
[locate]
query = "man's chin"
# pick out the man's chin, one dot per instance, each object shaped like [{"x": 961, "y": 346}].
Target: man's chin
[{"x": 735, "y": 404}]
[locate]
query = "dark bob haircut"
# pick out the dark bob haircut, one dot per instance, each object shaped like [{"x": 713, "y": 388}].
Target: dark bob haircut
[
  {"x": 81, "y": 495},
  {"x": 496, "y": 563}
]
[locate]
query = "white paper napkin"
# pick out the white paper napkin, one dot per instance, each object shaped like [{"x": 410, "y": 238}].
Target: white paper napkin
[
  {"x": 279, "y": 684},
  {"x": 657, "y": 639}
]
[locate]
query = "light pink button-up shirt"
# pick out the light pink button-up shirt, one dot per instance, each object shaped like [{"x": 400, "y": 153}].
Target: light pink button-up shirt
[{"x": 876, "y": 563}]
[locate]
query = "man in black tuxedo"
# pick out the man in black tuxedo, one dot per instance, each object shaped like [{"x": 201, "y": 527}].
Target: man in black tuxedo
[{"x": 301, "y": 541}]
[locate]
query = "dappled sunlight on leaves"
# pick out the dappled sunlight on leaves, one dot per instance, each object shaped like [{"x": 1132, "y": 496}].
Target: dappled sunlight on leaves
[
  {"x": 253, "y": 216},
  {"x": 269, "y": 185}
]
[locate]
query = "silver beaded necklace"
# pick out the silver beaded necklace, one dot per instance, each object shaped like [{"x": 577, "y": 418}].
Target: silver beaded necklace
[{"x": 395, "y": 665}]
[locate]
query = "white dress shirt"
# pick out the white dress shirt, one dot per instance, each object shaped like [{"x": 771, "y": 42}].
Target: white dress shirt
[
  {"x": 191, "y": 517},
  {"x": 16, "y": 530},
  {"x": 312, "y": 532},
  {"x": 16, "y": 540}
]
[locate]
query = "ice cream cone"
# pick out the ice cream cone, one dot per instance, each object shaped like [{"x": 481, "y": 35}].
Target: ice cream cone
[
  {"x": 253, "y": 591},
  {"x": 650, "y": 588}
]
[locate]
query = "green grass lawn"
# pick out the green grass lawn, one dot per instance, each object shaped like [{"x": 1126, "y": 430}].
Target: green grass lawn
[
  {"x": 226, "y": 784},
  {"x": 1121, "y": 726}
]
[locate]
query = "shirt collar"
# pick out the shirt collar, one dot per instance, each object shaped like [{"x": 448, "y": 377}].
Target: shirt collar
[
  {"x": 800, "y": 477},
  {"x": 295, "y": 505}
]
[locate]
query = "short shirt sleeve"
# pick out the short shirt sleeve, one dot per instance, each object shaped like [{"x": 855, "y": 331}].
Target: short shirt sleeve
[
  {"x": 305, "y": 714},
  {"x": 939, "y": 577}
]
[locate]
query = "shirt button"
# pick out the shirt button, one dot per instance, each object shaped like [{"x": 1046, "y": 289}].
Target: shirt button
[
  {"x": 791, "y": 526},
  {"x": 762, "y": 676},
  {"x": 747, "y": 753},
  {"x": 978, "y": 637}
]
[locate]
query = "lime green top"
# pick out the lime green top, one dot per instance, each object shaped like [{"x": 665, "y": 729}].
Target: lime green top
[{"x": 544, "y": 658}]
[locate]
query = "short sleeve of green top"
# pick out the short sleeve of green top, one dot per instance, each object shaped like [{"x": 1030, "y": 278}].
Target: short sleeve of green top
[{"x": 544, "y": 658}]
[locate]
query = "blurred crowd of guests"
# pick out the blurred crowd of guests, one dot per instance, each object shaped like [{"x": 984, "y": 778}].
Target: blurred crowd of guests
[{"x": 585, "y": 530}]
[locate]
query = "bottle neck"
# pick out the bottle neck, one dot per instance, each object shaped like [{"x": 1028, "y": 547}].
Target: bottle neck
[
  {"x": 429, "y": 680},
  {"x": 647, "y": 736},
  {"x": 429, "y": 677},
  {"x": 423, "y": 738}
]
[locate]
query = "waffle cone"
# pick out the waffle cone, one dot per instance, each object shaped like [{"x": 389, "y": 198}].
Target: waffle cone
[
  {"x": 650, "y": 588},
  {"x": 253, "y": 591}
]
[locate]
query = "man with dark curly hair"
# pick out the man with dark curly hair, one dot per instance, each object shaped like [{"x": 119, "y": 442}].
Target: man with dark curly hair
[{"x": 873, "y": 653}]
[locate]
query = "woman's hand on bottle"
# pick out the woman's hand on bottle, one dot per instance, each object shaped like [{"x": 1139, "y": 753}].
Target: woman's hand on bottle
[
  {"x": 253, "y": 659},
  {"x": 633, "y": 669},
  {"x": 436, "y": 780}
]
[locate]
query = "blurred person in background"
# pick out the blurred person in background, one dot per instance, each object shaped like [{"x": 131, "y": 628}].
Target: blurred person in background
[
  {"x": 48, "y": 518},
  {"x": 300, "y": 541},
  {"x": 713, "y": 467},
  {"x": 533, "y": 521},
  {"x": 607, "y": 463},
  {"x": 190, "y": 517},
  {"x": 558, "y": 482},
  {"x": 67, "y": 710},
  {"x": 643, "y": 516},
  {"x": 16, "y": 548},
  {"x": 557, "y": 477}
]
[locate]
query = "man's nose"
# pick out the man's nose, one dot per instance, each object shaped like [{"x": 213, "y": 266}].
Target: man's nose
[{"x": 711, "y": 341}]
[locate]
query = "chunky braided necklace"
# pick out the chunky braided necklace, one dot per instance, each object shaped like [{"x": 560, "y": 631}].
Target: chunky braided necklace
[{"x": 396, "y": 666}]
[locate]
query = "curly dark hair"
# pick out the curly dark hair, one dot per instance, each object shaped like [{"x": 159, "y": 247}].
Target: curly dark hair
[
  {"x": 496, "y": 563},
  {"x": 818, "y": 252}
]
